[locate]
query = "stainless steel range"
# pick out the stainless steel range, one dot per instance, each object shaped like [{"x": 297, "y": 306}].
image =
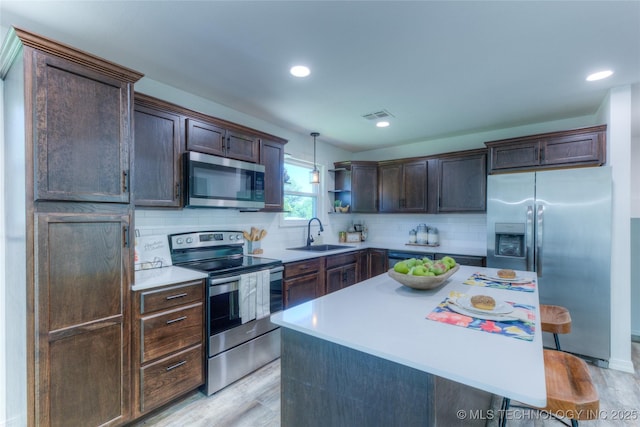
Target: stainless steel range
[{"x": 242, "y": 292}]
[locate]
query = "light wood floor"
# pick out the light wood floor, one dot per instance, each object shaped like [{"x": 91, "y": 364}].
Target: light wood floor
[{"x": 254, "y": 401}]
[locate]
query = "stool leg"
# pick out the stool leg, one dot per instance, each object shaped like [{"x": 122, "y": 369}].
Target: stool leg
[
  {"x": 555, "y": 337},
  {"x": 574, "y": 423}
]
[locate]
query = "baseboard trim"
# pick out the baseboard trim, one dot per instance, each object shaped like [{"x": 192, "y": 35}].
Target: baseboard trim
[{"x": 621, "y": 365}]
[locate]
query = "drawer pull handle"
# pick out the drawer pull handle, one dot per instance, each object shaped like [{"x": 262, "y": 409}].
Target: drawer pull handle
[
  {"x": 176, "y": 296},
  {"x": 177, "y": 365},
  {"x": 179, "y": 319}
]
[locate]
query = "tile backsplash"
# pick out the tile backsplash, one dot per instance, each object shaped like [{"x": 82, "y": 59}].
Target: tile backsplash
[{"x": 462, "y": 230}]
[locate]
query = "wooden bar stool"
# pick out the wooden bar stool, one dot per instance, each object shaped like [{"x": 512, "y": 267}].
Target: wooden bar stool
[
  {"x": 570, "y": 389},
  {"x": 556, "y": 320}
]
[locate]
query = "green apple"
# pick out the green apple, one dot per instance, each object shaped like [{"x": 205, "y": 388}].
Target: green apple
[
  {"x": 401, "y": 267},
  {"x": 438, "y": 268},
  {"x": 448, "y": 261},
  {"x": 411, "y": 262},
  {"x": 419, "y": 270}
]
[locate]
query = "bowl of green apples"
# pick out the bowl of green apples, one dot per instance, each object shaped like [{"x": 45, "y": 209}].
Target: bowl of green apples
[{"x": 423, "y": 273}]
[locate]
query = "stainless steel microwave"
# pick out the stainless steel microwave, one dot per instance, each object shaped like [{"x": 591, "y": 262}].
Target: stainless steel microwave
[{"x": 218, "y": 182}]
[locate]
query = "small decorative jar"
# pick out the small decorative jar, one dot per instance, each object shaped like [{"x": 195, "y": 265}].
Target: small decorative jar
[
  {"x": 422, "y": 234},
  {"x": 433, "y": 236},
  {"x": 412, "y": 236}
]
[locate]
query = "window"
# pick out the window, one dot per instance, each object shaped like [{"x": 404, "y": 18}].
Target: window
[{"x": 300, "y": 196}]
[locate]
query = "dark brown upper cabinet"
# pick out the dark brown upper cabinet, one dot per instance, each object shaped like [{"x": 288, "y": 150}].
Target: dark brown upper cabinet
[
  {"x": 272, "y": 158},
  {"x": 356, "y": 185},
  {"x": 572, "y": 148},
  {"x": 403, "y": 186},
  {"x": 214, "y": 139},
  {"x": 82, "y": 131},
  {"x": 462, "y": 182},
  {"x": 364, "y": 194},
  {"x": 157, "y": 154}
]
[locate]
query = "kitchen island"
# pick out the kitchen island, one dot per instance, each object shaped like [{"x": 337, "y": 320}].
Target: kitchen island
[{"x": 368, "y": 355}]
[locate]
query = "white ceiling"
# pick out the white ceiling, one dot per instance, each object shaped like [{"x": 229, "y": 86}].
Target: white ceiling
[{"x": 441, "y": 68}]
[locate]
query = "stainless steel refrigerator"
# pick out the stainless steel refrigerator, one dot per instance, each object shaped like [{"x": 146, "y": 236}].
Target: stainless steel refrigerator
[{"x": 558, "y": 224}]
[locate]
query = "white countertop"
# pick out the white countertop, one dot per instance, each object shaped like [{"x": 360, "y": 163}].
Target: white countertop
[
  {"x": 147, "y": 279},
  {"x": 386, "y": 319}
]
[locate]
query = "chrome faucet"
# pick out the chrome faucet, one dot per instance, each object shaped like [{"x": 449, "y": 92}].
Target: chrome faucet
[{"x": 309, "y": 237}]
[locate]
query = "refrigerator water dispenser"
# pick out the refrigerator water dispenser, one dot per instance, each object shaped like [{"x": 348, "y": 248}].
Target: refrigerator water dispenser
[{"x": 510, "y": 240}]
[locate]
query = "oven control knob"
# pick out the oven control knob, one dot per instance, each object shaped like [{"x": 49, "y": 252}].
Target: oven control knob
[
  {"x": 189, "y": 240},
  {"x": 239, "y": 236},
  {"x": 232, "y": 237},
  {"x": 179, "y": 240}
]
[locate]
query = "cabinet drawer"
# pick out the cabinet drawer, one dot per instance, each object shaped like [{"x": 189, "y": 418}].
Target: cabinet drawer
[
  {"x": 184, "y": 293},
  {"x": 341, "y": 259},
  {"x": 170, "y": 331},
  {"x": 167, "y": 378},
  {"x": 293, "y": 269}
]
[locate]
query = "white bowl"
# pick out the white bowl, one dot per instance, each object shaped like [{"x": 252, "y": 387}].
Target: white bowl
[{"x": 422, "y": 282}]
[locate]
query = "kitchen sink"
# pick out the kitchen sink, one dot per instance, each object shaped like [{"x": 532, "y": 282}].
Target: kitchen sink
[{"x": 320, "y": 248}]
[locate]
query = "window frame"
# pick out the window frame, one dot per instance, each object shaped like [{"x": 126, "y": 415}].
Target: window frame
[{"x": 318, "y": 194}]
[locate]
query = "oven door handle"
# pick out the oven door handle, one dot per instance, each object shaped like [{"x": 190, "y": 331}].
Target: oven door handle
[{"x": 214, "y": 282}]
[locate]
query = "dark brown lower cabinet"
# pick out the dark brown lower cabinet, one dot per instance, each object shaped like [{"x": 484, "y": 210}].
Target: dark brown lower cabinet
[
  {"x": 378, "y": 262},
  {"x": 371, "y": 263},
  {"x": 341, "y": 271},
  {"x": 168, "y": 343},
  {"x": 303, "y": 281}
]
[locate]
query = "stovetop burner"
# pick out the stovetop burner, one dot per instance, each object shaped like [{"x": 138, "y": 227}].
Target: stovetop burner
[
  {"x": 231, "y": 265},
  {"x": 215, "y": 252}
]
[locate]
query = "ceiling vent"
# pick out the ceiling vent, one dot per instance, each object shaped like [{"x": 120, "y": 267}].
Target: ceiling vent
[{"x": 382, "y": 114}]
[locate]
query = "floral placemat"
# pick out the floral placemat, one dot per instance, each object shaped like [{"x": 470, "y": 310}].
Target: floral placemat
[
  {"x": 478, "y": 279},
  {"x": 523, "y": 328}
]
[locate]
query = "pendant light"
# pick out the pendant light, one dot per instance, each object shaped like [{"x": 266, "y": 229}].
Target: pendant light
[{"x": 314, "y": 175}]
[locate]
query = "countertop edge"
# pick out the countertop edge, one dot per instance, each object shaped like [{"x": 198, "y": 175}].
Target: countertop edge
[{"x": 157, "y": 277}]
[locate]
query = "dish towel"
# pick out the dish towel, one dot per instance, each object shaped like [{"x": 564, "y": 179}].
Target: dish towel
[
  {"x": 263, "y": 294},
  {"x": 247, "y": 296}
]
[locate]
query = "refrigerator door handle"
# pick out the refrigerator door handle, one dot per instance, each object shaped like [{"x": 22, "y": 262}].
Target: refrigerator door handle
[
  {"x": 539, "y": 234},
  {"x": 528, "y": 249}
]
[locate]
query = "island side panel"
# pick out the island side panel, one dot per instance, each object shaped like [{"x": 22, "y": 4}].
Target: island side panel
[{"x": 326, "y": 384}]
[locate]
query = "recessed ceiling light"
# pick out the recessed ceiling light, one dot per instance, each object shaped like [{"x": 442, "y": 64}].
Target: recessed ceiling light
[
  {"x": 300, "y": 71},
  {"x": 599, "y": 75},
  {"x": 382, "y": 124}
]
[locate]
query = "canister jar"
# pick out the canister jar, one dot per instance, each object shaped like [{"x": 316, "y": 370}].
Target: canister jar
[
  {"x": 433, "y": 236},
  {"x": 422, "y": 234},
  {"x": 412, "y": 236}
]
